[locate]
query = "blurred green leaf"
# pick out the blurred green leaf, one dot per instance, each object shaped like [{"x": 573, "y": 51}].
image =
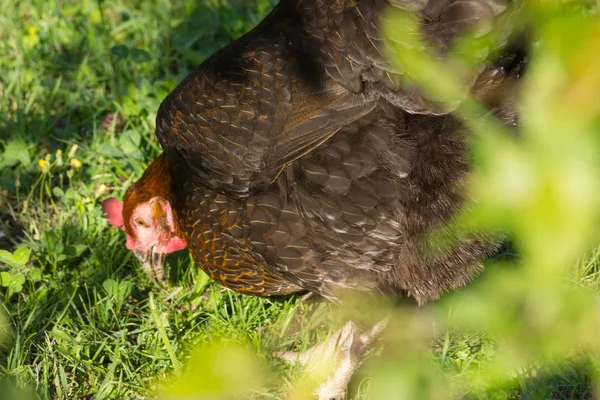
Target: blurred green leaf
[
  {"x": 140, "y": 55},
  {"x": 16, "y": 283},
  {"x": 131, "y": 106},
  {"x": 21, "y": 255},
  {"x": 121, "y": 51},
  {"x": 109, "y": 150},
  {"x": 35, "y": 274},
  {"x": 75, "y": 250},
  {"x": 129, "y": 142},
  {"x": 5, "y": 278},
  {"x": 218, "y": 371},
  {"x": 58, "y": 192},
  {"x": 111, "y": 286},
  {"x": 19, "y": 258},
  {"x": 6, "y": 257},
  {"x": 15, "y": 151}
]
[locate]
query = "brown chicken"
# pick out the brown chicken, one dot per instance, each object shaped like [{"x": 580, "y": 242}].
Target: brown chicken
[{"x": 298, "y": 159}]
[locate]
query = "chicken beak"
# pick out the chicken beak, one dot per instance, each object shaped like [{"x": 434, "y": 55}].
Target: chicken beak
[{"x": 152, "y": 263}]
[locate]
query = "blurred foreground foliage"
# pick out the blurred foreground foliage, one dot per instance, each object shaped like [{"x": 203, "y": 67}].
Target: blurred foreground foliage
[{"x": 540, "y": 186}]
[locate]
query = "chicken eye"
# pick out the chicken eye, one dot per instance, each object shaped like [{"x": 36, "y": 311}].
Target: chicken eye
[{"x": 139, "y": 221}]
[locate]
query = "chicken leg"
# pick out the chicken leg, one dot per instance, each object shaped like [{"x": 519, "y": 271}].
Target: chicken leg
[{"x": 343, "y": 349}]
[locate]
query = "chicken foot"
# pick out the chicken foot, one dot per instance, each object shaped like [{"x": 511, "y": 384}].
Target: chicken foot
[{"x": 344, "y": 348}]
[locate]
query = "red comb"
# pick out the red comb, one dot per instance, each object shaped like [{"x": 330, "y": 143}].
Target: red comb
[{"x": 114, "y": 211}]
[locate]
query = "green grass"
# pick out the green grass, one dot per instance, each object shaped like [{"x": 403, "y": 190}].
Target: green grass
[{"x": 80, "y": 84}]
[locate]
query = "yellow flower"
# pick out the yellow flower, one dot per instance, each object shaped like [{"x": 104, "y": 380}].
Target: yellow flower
[
  {"x": 75, "y": 163},
  {"x": 32, "y": 31},
  {"x": 42, "y": 163}
]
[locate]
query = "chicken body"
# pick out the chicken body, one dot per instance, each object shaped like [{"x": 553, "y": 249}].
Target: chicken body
[
  {"x": 353, "y": 214},
  {"x": 298, "y": 159}
]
